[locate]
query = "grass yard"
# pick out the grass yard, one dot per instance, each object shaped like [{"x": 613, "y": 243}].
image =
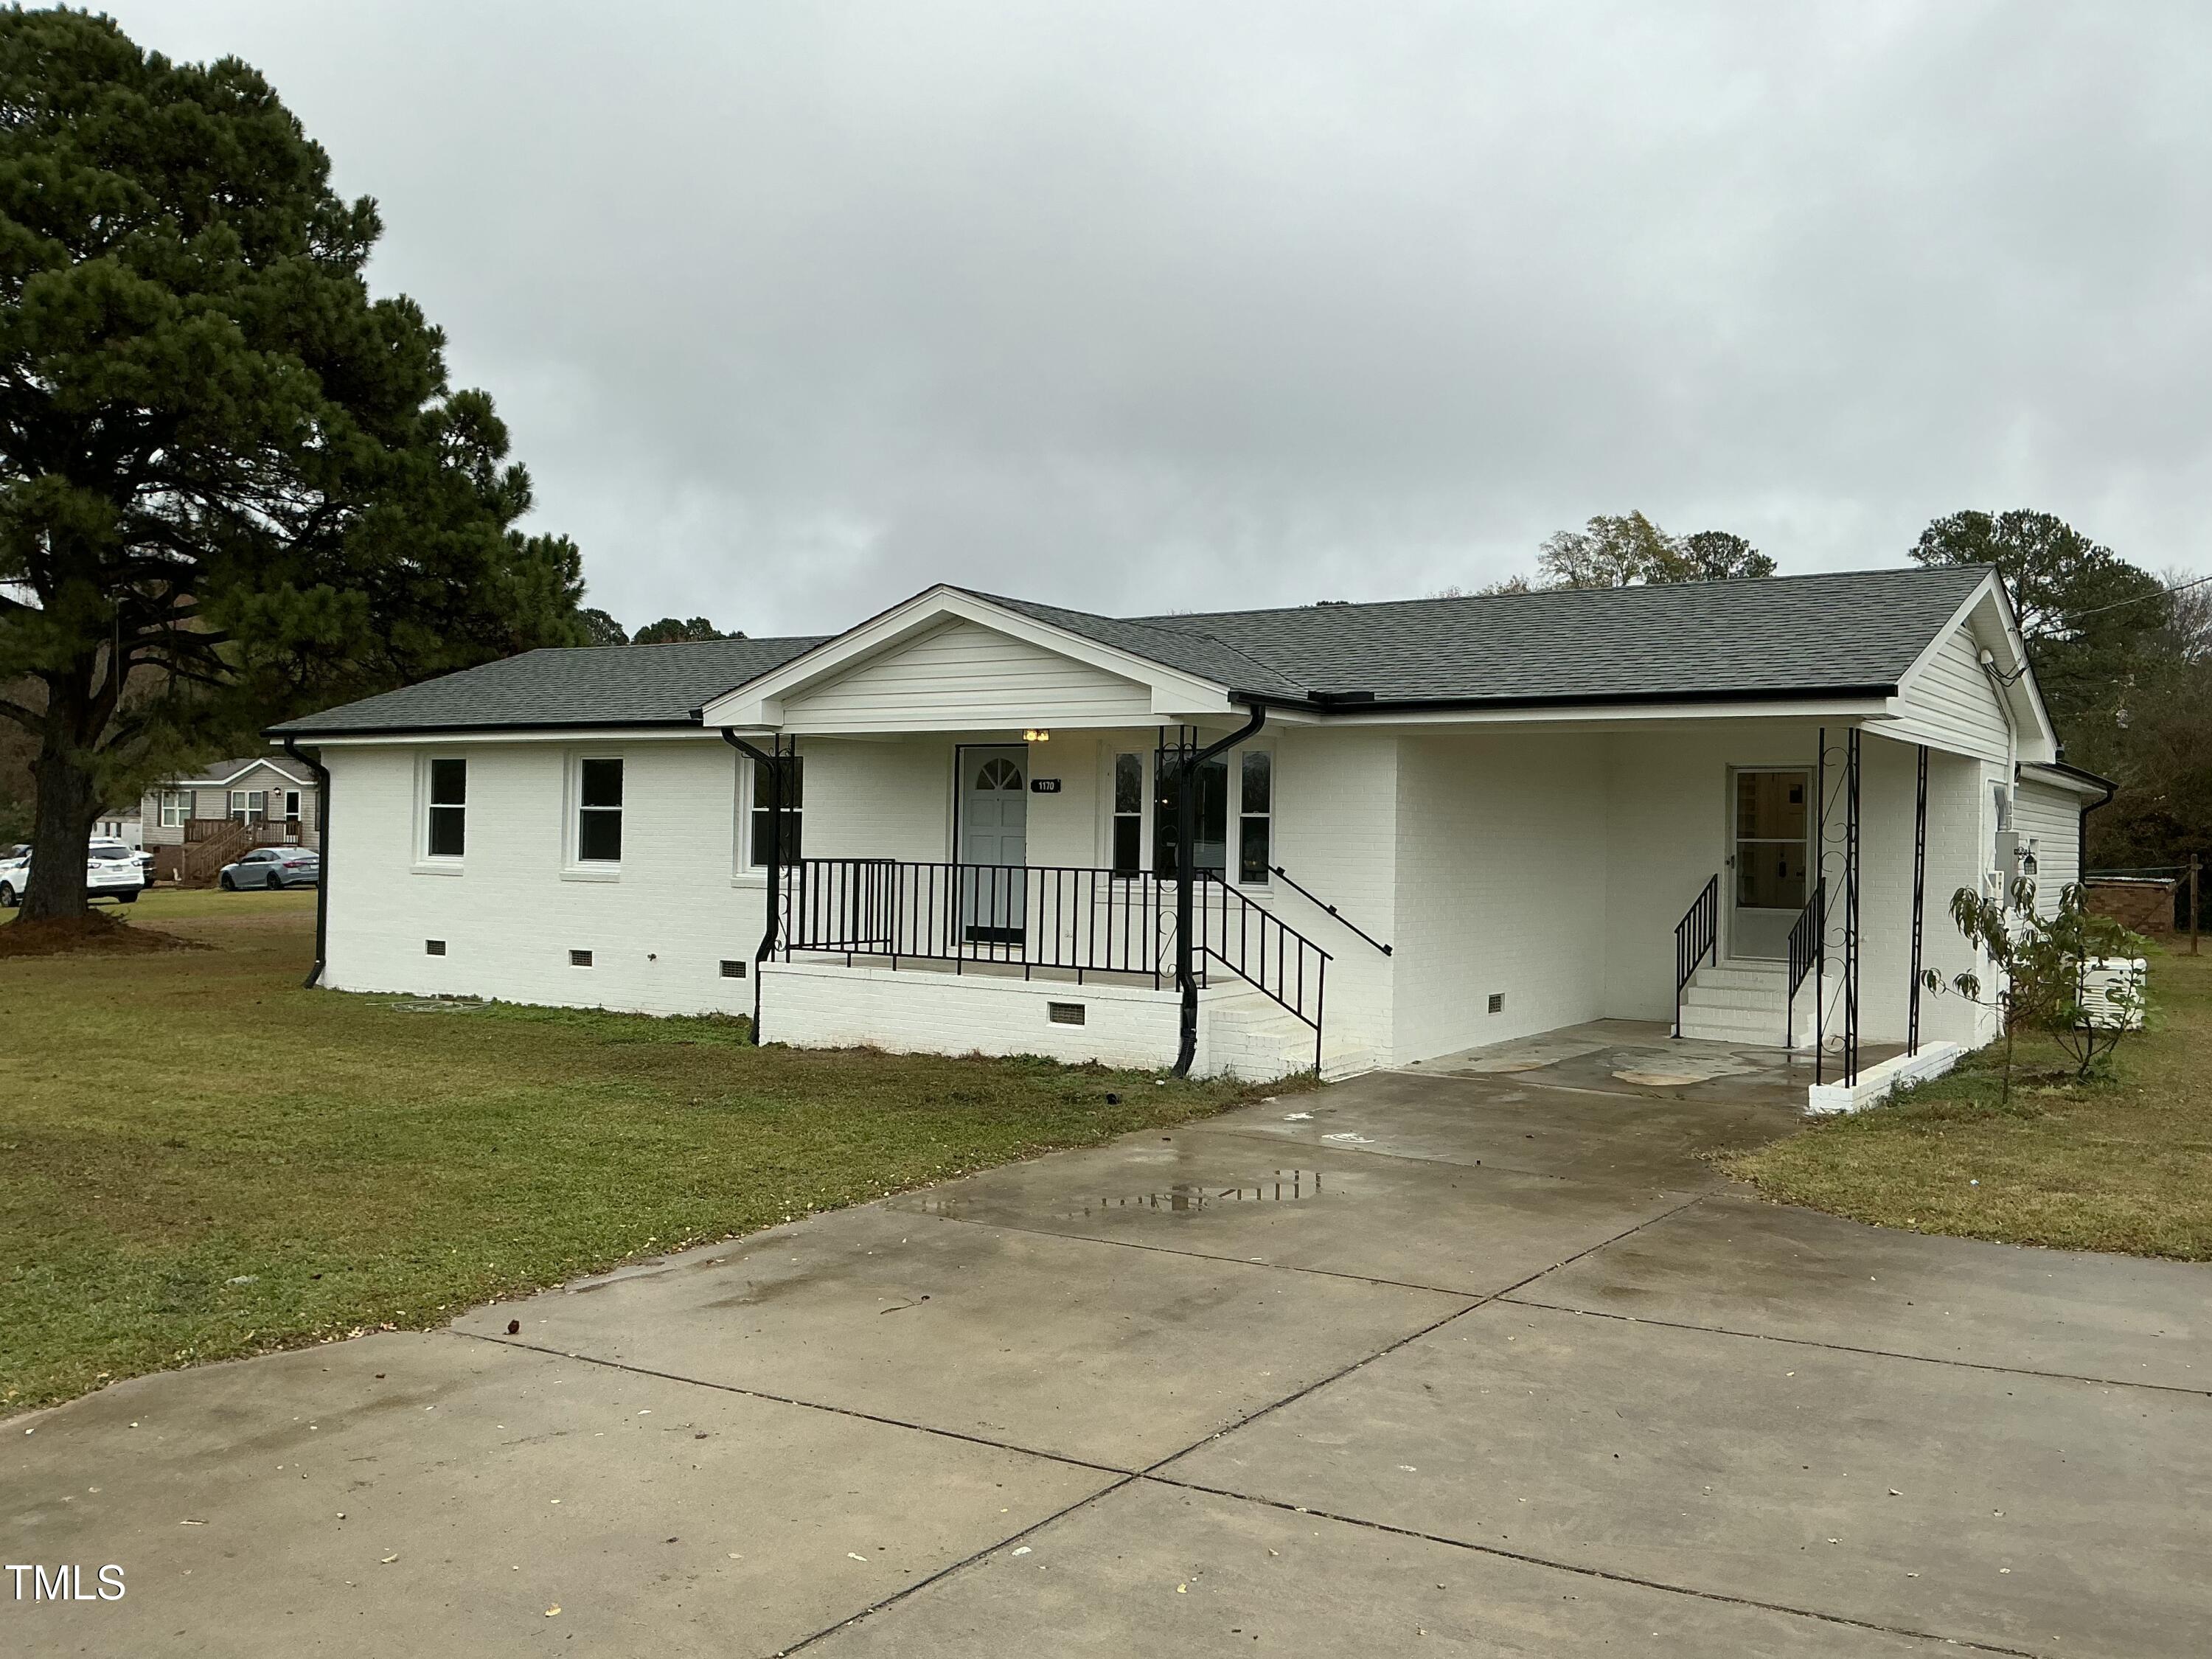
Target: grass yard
[
  {"x": 2121, "y": 1165},
  {"x": 199, "y": 1159}
]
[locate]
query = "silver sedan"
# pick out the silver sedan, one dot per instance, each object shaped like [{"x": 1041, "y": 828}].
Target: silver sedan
[{"x": 273, "y": 867}]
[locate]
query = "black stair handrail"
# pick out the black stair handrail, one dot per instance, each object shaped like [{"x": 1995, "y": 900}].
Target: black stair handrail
[
  {"x": 1298, "y": 887},
  {"x": 1806, "y": 937},
  {"x": 1696, "y": 937},
  {"x": 1265, "y": 951}
]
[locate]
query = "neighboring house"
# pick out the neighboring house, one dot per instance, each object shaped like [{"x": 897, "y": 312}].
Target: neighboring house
[
  {"x": 195, "y": 825},
  {"x": 124, "y": 825},
  {"x": 1443, "y": 823}
]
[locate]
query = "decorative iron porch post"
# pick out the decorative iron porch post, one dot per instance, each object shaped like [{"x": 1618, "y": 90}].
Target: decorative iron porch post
[{"x": 1920, "y": 897}]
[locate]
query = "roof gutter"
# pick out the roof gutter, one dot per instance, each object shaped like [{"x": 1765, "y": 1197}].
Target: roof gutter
[
  {"x": 323, "y": 855},
  {"x": 1366, "y": 702},
  {"x": 287, "y": 733}
]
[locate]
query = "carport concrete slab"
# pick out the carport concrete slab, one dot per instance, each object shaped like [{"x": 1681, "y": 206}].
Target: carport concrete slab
[
  {"x": 1150, "y": 1570},
  {"x": 2037, "y": 1515},
  {"x": 1451, "y": 1227},
  {"x": 437, "y": 1494},
  {"x": 1508, "y": 1123},
  {"x": 1117, "y": 1356},
  {"x": 1734, "y": 1263}
]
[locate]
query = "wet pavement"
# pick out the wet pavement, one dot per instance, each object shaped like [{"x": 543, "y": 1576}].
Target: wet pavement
[{"x": 1478, "y": 1358}]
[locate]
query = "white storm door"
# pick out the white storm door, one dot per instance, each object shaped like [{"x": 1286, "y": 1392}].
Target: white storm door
[{"x": 995, "y": 815}]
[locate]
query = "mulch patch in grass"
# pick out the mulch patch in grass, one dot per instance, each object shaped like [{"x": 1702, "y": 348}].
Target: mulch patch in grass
[
  {"x": 95, "y": 931},
  {"x": 2121, "y": 1163}
]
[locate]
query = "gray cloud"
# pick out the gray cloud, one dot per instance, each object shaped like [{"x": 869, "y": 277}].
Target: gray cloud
[{"x": 794, "y": 308}]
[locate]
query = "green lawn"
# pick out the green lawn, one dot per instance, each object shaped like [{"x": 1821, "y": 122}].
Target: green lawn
[
  {"x": 200, "y": 1159},
  {"x": 2121, "y": 1165}
]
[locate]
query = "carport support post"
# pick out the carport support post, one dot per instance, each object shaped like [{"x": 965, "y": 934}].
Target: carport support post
[
  {"x": 1851, "y": 905},
  {"x": 1186, "y": 834},
  {"x": 774, "y": 895},
  {"x": 1919, "y": 899}
]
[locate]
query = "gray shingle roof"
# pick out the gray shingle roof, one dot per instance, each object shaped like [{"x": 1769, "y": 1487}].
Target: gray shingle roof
[
  {"x": 1783, "y": 636},
  {"x": 582, "y": 686}
]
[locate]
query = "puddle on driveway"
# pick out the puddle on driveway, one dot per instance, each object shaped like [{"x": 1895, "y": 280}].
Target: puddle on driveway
[{"x": 1181, "y": 1197}]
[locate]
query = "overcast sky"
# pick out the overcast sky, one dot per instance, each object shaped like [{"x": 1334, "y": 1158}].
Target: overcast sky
[{"x": 793, "y": 309}]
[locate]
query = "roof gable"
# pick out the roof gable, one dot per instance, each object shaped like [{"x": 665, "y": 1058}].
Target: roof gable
[{"x": 1040, "y": 664}]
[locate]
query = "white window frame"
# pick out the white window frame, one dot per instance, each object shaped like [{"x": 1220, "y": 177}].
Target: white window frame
[
  {"x": 573, "y": 866},
  {"x": 176, "y": 802},
  {"x": 749, "y": 807},
  {"x": 1266, "y": 880},
  {"x": 441, "y": 864},
  {"x": 1114, "y": 755}
]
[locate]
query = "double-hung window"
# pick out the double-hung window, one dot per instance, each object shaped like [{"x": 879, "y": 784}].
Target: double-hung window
[
  {"x": 446, "y": 832},
  {"x": 176, "y": 807},
  {"x": 599, "y": 811},
  {"x": 794, "y": 770},
  {"x": 1128, "y": 815},
  {"x": 1255, "y": 816},
  {"x": 249, "y": 806}
]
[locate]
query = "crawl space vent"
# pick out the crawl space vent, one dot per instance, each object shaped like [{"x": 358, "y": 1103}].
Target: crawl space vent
[
  {"x": 1498, "y": 1002},
  {"x": 1064, "y": 1013},
  {"x": 580, "y": 958}
]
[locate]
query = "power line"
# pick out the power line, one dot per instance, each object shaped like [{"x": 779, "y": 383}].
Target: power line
[{"x": 2095, "y": 610}]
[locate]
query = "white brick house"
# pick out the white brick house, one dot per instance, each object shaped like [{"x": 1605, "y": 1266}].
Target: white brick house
[{"x": 1417, "y": 826}]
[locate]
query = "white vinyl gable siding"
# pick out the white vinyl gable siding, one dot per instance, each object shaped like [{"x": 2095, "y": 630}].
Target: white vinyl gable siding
[
  {"x": 1952, "y": 704},
  {"x": 965, "y": 676},
  {"x": 2053, "y": 816}
]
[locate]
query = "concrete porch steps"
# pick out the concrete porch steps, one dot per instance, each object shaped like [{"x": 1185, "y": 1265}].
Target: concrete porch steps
[
  {"x": 1248, "y": 1035},
  {"x": 1742, "y": 1003}
]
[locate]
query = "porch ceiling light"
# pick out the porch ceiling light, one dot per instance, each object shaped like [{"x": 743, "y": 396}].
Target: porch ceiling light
[{"x": 1035, "y": 736}]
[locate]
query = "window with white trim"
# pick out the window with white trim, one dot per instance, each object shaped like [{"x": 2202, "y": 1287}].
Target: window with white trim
[
  {"x": 1255, "y": 818},
  {"x": 598, "y": 811},
  {"x": 444, "y": 827},
  {"x": 176, "y": 807},
  {"x": 249, "y": 806},
  {"x": 1128, "y": 852},
  {"x": 794, "y": 768}
]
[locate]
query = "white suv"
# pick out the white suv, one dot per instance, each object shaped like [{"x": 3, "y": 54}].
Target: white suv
[{"x": 111, "y": 871}]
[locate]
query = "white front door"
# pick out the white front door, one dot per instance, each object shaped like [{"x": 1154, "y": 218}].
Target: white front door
[
  {"x": 995, "y": 815},
  {"x": 1769, "y": 858}
]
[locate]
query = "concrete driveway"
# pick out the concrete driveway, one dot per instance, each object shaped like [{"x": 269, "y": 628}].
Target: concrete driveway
[{"x": 1480, "y": 1360}]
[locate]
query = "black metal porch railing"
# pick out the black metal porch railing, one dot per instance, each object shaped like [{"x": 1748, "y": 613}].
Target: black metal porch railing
[
  {"x": 1806, "y": 935},
  {"x": 1054, "y": 918},
  {"x": 1028, "y": 916},
  {"x": 1696, "y": 937},
  {"x": 1263, "y": 950}
]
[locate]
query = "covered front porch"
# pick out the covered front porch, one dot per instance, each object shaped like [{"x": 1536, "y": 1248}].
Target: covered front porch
[{"x": 1363, "y": 897}]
